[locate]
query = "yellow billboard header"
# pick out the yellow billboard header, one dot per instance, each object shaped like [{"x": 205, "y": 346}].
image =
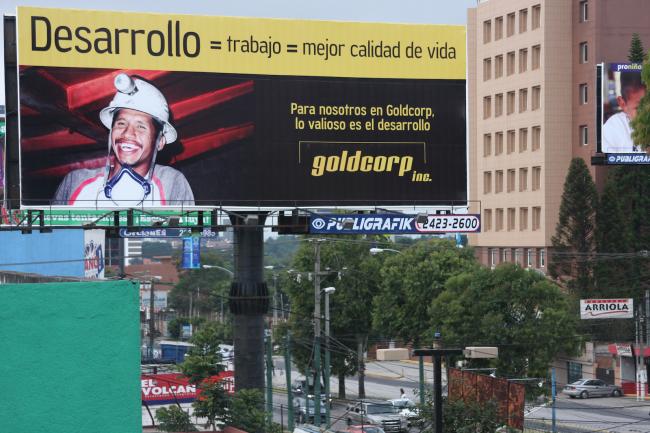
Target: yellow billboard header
[{"x": 99, "y": 39}]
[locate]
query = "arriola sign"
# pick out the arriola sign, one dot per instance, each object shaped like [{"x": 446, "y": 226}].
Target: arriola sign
[{"x": 606, "y": 308}]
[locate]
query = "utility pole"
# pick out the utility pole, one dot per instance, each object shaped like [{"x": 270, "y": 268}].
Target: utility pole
[
  {"x": 317, "y": 334},
  {"x": 421, "y": 365},
  {"x": 269, "y": 376},
  {"x": 327, "y": 359},
  {"x": 553, "y": 391},
  {"x": 287, "y": 369},
  {"x": 638, "y": 353},
  {"x": 275, "y": 299},
  {"x": 152, "y": 323}
]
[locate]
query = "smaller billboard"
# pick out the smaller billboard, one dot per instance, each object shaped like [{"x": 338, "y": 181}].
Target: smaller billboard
[
  {"x": 94, "y": 243},
  {"x": 191, "y": 253},
  {"x": 622, "y": 90},
  {"x": 174, "y": 388},
  {"x": 159, "y": 299},
  {"x": 606, "y": 308},
  {"x": 393, "y": 224}
]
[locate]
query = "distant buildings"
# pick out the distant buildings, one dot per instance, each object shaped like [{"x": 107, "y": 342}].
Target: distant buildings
[{"x": 531, "y": 92}]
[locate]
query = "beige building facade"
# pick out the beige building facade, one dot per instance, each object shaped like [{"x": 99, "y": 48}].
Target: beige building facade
[{"x": 532, "y": 108}]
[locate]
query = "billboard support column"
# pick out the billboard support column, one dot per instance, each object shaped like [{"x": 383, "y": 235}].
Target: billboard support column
[
  {"x": 12, "y": 187},
  {"x": 249, "y": 300}
]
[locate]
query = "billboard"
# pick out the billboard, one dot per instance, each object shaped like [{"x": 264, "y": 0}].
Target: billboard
[
  {"x": 168, "y": 388},
  {"x": 606, "y": 308},
  {"x": 622, "y": 89},
  {"x": 151, "y": 110},
  {"x": 3, "y": 129},
  {"x": 94, "y": 244}
]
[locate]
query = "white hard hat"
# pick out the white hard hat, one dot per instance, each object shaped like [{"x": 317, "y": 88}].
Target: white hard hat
[{"x": 139, "y": 95}]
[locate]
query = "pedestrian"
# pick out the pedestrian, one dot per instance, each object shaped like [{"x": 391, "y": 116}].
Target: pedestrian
[{"x": 402, "y": 393}]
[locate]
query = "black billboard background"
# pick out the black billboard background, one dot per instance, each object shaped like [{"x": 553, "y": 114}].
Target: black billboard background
[{"x": 262, "y": 169}]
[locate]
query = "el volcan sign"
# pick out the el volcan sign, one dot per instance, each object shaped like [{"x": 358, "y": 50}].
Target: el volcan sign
[{"x": 606, "y": 308}]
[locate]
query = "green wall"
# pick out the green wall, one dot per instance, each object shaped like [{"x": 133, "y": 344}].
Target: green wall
[{"x": 70, "y": 358}]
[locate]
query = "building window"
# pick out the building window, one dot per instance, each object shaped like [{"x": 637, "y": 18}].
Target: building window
[
  {"x": 523, "y": 179},
  {"x": 487, "y": 107},
  {"x": 498, "y": 181},
  {"x": 499, "y": 220},
  {"x": 541, "y": 255},
  {"x": 583, "y": 94},
  {"x": 511, "y": 180},
  {"x": 498, "y": 28},
  {"x": 523, "y": 139},
  {"x": 574, "y": 371},
  {"x": 523, "y": 100},
  {"x": 498, "y": 143},
  {"x": 584, "y": 52},
  {"x": 537, "y": 97},
  {"x": 537, "y": 17},
  {"x": 510, "y": 63},
  {"x": 584, "y": 11},
  {"x": 511, "y": 140},
  {"x": 537, "y": 137},
  {"x": 537, "y": 57},
  {"x": 537, "y": 217},
  {"x": 498, "y": 66},
  {"x": 487, "y": 219},
  {"x": 510, "y": 103},
  {"x": 498, "y": 104},
  {"x": 523, "y": 60},
  {"x": 511, "y": 218},
  {"x": 510, "y": 24},
  {"x": 487, "y": 31},
  {"x": 537, "y": 178},
  {"x": 523, "y": 20},
  {"x": 584, "y": 135},
  {"x": 523, "y": 218},
  {"x": 487, "y": 182},
  {"x": 518, "y": 256},
  {"x": 504, "y": 255},
  {"x": 487, "y": 144},
  {"x": 493, "y": 257},
  {"x": 487, "y": 69},
  {"x": 529, "y": 257}
]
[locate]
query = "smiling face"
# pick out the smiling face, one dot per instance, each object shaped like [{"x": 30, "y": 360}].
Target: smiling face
[{"x": 134, "y": 135}]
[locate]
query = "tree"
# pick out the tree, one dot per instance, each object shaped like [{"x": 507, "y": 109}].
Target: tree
[
  {"x": 201, "y": 363},
  {"x": 641, "y": 123},
  {"x": 247, "y": 413},
  {"x": 355, "y": 274},
  {"x": 636, "y": 53},
  {"x": 459, "y": 416},
  {"x": 574, "y": 234},
  {"x": 204, "y": 290},
  {"x": 174, "y": 419},
  {"x": 409, "y": 283},
  {"x": 522, "y": 313}
]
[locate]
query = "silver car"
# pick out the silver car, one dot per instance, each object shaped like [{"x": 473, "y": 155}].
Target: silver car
[{"x": 585, "y": 388}]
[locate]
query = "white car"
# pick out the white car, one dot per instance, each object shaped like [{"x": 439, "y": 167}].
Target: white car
[{"x": 406, "y": 408}]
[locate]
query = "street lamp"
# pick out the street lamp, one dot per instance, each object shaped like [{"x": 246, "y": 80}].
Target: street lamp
[
  {"x": 375, "y": 251},
  {"x": 231, "y": 273}
]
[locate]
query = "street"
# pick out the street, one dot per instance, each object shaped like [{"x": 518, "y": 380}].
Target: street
[{"x": 619, "y": 414}]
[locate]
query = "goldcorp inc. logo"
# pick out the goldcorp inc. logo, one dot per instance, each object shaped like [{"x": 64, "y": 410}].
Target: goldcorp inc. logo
[{"x": 318, "y": 223}]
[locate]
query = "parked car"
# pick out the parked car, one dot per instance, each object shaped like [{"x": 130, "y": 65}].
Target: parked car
[
  {"x": 364, "y": 429},
  {"x": 301, "y": 388},
  {"x": 381, "y": 414},
  {"x": 303, "y": 410},
  {"x": 585, "y": 388},
  {"x": 406, "y": 408}
]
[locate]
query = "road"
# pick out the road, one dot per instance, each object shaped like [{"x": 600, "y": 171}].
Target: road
[{"x": 625, "y": 415}]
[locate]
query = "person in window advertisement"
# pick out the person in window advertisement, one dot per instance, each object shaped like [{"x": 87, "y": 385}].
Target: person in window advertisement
[
  {"x": 623, "y": 92},
  {"x": 138, "y": 120}
]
